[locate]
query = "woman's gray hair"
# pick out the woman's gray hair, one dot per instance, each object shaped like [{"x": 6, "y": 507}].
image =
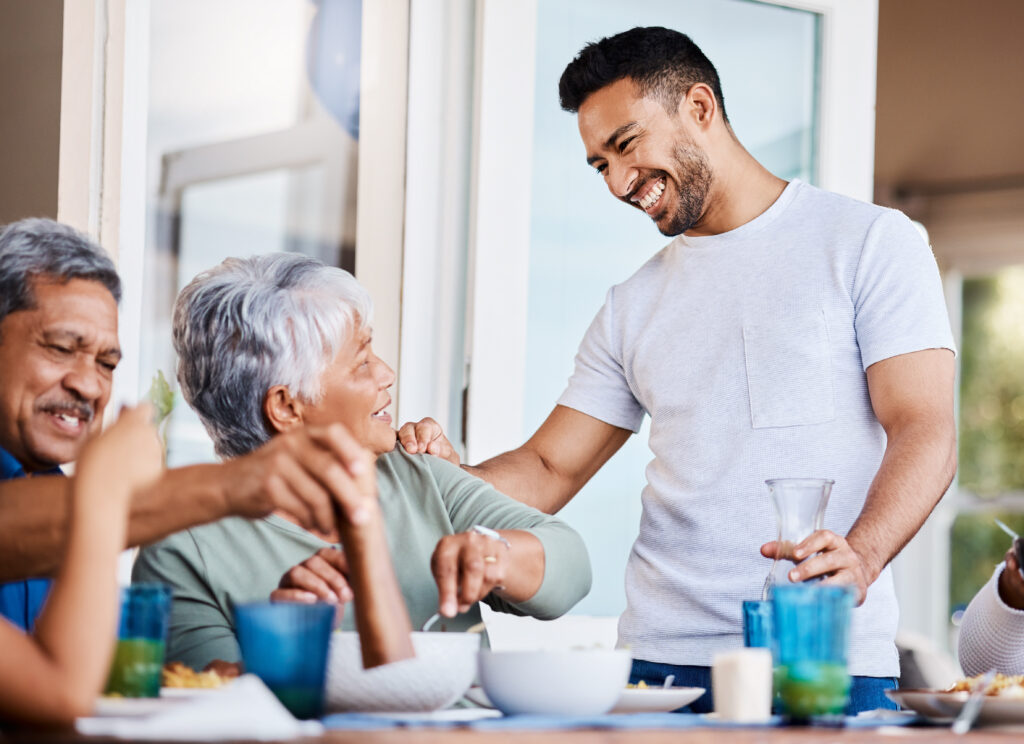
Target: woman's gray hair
[
  {"x": 252, "y": 323},
  {"x": 38, "y": 248}
]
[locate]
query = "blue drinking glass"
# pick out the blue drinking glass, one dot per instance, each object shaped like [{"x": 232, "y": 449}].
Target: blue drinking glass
[
  {"x": 757, "y": 623},
  {"x": 285, "y": 644},
  {"x": 811, "y": 641},
  {"x": 141, "y": 641}
]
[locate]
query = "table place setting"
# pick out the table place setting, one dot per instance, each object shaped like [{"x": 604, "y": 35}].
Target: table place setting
[
  {"x": 244, "y": 709},
  {"x": 306, "y": 678}
]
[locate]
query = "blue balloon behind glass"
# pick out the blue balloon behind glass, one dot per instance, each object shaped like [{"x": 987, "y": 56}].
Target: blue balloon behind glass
[{"x": 334, "y": 51}]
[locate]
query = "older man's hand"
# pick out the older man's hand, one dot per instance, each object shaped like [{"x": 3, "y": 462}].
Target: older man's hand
[
  {"x": 1011, "y": 583},
  {"x": 426, "y": 437},
  {"x": 320, "y": 476},
  {"x": 826, "y": 555},
  {"x": 323, "y": 577}
]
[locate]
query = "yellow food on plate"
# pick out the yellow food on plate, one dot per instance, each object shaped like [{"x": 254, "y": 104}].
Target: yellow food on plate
[
  {"x": 177, "y": 674},
  {"x": 1003, "y": 685},
  {"x": 641, "y": 685}
]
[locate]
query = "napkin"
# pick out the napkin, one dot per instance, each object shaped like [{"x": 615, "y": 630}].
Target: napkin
[{"x": 245, "y": 709}]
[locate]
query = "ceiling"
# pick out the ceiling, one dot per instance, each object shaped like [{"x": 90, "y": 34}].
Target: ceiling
[{"x": 950, "y": 101}]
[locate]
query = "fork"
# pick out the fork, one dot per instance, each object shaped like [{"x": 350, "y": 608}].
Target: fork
[
  {"x": 478, "y": 628},
  {"x": 965, "y": 719}
]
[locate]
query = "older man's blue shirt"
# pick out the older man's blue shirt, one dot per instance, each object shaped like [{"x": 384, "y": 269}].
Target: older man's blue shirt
[{"x": 21, "y": 601}]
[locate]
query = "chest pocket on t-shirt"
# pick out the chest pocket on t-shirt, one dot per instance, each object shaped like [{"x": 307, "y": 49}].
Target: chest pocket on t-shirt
[{"x": 789, "y": 370}]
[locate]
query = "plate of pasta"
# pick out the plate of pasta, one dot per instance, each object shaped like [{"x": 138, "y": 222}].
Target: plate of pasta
[
  {"x": 181, "y": 680},
  {"x": 1002, "y": 704},
  {"x": 178, "y": 683}
]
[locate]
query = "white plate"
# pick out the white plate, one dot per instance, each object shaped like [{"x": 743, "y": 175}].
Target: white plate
[
  {"x": 632, "y": 700},
  {"x": 131, "y": 707},
  {"x": 169, "y": 697},
  {"x": 655, "y": 699},
  {"x": 995, "y": 710},
  {"x": 189, "y": 692}
]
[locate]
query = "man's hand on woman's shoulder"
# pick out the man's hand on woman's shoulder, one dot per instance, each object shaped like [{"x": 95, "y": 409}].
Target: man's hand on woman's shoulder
[{"x": 427, "y": 437}]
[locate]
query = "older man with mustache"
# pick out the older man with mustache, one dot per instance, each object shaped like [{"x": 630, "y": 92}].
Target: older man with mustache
[{"x": 58, "y": 350}]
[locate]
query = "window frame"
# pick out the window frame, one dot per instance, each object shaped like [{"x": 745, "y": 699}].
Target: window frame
[{"x": 102, "y": 172}]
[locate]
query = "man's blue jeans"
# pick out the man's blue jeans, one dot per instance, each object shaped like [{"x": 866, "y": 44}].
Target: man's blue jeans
[{"x": 866, "y": 693}]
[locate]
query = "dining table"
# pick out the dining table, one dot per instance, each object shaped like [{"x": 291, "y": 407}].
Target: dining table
[{"x": 758, "y": 735}]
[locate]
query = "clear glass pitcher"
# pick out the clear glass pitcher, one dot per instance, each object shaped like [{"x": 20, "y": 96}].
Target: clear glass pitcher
[{"x": 799, "y": 510}]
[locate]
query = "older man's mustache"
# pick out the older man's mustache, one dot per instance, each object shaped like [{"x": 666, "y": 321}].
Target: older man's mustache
[{"x": 77, "y": 408}]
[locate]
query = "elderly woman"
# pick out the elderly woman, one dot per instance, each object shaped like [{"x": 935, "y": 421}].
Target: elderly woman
[{"x": 274, "y": 343}]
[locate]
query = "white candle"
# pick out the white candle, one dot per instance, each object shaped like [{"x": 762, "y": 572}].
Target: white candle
[{"x": 741, "y": 681}]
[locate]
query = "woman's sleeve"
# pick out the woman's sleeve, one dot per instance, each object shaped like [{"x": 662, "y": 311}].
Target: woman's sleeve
[
  {"x": 201, "y": 630},
  {"x": 991, "y": 633},
  {"x": 567, "y": 575}
]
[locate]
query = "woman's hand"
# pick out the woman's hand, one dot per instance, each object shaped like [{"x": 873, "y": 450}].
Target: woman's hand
[
  {"x": 427, "y": 437},
  {"x": 124, "y": 458},
  {"x": 467, "y": 567},
  {"x": 323, "y": 577},
  {"x": 1011, "y": 583}
]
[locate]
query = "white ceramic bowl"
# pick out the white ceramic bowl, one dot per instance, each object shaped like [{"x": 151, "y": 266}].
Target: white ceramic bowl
[
  {"x": 442, "y": 671},
  {"x": 572, "y": 683}
]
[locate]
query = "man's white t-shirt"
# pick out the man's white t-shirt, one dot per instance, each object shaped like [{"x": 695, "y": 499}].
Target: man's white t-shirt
[{"x": 748, "y": 350}]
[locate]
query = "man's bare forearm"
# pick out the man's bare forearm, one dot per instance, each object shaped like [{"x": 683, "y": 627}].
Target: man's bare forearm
[
  {"x": 525, "y": 476},
  {"x": 33, "y": 525},
  {"x": 917, "y": 468},
  {"x": 34, "y": 516},
  {"x": 556, "y": 462}
]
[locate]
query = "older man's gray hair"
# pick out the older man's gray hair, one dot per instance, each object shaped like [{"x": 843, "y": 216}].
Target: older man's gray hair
[
  {"x": 252, "y": 323},
  {"x": 41, "y": 249}
]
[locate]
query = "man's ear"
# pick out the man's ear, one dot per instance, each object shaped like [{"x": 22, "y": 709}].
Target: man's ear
[
  {"x": 699, "y": 106},
  {"x": 282, "y": 410}
]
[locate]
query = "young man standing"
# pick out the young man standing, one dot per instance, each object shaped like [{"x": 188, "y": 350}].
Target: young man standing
[{"x": 785, "y": 331}]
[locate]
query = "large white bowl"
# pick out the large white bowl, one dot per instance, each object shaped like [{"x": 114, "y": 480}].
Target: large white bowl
[
  {"x": 573, "y": 683},
  {"x": 442, "y": 671}
]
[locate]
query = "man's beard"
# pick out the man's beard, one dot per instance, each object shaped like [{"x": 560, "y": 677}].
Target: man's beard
[{"x": 693, "y": 178}]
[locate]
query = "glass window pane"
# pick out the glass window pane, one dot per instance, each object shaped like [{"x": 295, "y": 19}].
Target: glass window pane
[
  {"x": 991, "y": 436},
  {"x": 991, "y": 384},
  {"x": 252, "y": 147},
  {"x": 977, "y": 546},
  {"x": 583, "y": 242}
]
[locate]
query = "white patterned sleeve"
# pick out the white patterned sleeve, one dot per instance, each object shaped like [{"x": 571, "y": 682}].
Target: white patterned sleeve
[{"x": 991, "y": 633}]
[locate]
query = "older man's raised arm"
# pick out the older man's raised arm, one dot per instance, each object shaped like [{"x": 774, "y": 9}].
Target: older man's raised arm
[{"x": 297, "y": 473}]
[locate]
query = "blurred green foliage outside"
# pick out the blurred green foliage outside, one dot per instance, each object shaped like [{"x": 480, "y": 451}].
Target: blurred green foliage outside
[{"x": 991, "y": 424}]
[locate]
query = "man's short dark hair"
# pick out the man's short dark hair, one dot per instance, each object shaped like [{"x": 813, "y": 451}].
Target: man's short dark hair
[
  {"x": 663, "y": 63},
  {"x": 38, "y": 248}
]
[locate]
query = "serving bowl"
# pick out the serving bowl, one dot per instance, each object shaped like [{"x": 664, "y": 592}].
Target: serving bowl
[
  {"x": 441, "y": 672},
  {"x": 567, "y": 682}
]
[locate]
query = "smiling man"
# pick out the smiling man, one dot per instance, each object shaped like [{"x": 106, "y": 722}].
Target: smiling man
[
  {"x": 784, "y": 332},
  {"x": 58, "y": 350},
  {"x": 57, "y": 358}
]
